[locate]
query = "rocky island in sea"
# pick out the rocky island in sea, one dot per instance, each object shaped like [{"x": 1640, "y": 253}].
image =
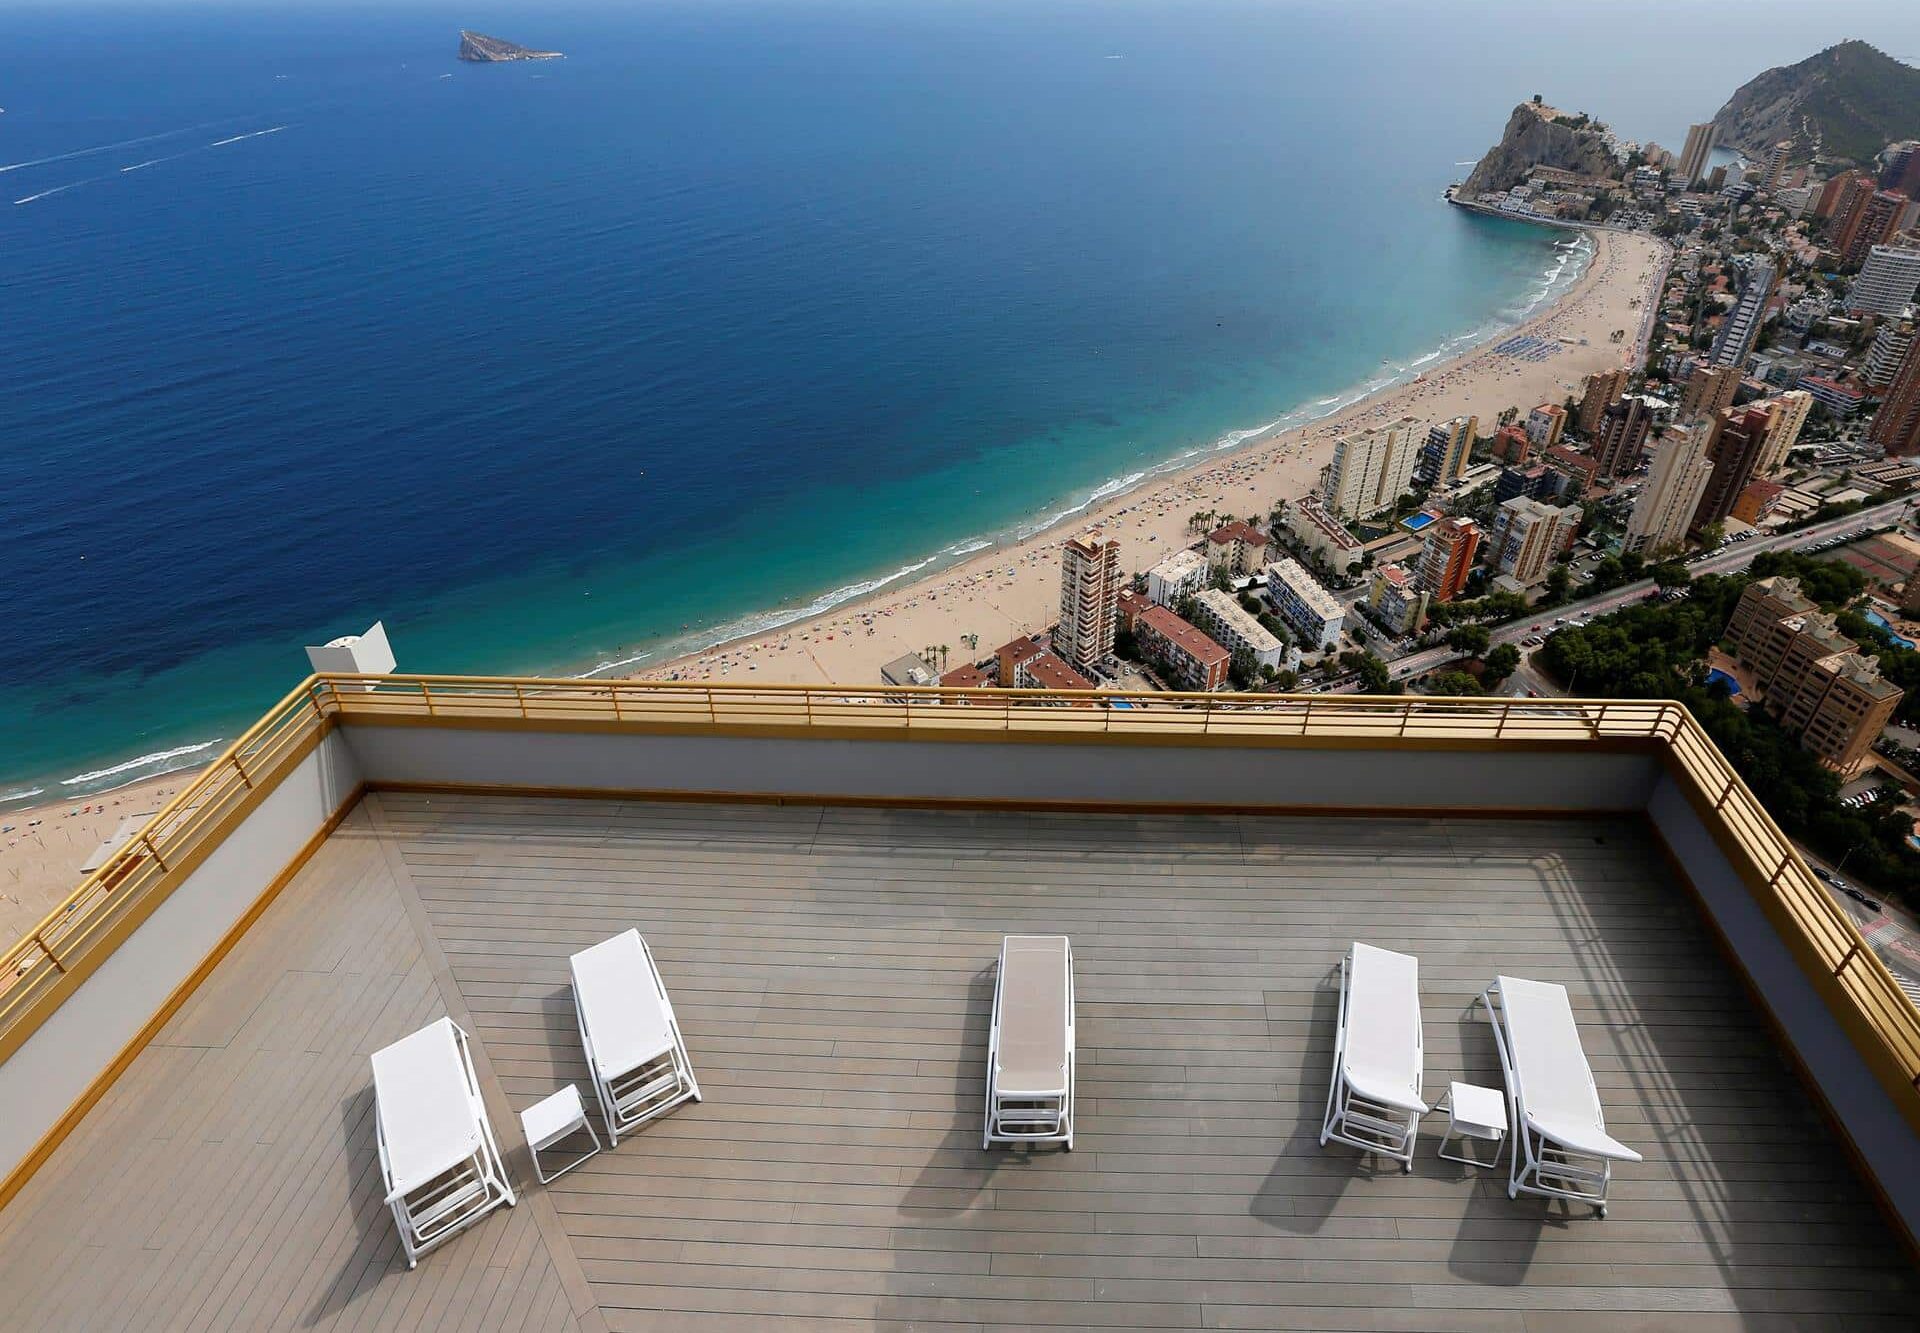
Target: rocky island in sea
[{"x": 478, "y": 46}]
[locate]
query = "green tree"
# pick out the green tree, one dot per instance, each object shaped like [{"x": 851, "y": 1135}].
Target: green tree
[
  {"x": 1500, "y": 663},
  {"x": 1242, "y": 669},
  {"x": 1671, "y": 574},
  {"x": 1373, "y": 673},
  {"x": 1469, "y": 639},
  {"x": 1454, "y": 683},
  {"x": 1831, "y": 583},
  {"x": 1558, "y": 582}
]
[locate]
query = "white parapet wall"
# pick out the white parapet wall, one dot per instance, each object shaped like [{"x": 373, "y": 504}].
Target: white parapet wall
[
  {"x": 1505, "y": 780},
  {"x": 55, "y": 1066}
]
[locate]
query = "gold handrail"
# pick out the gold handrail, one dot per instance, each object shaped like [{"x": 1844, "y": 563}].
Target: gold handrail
[{"x": 1813, "y": 924}]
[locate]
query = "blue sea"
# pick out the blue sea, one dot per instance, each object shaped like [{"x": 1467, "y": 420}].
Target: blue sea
[{"x": 744, "y": 307}]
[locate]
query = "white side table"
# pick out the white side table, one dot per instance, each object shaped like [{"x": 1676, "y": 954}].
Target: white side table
[
  {"x": 1474, "y": 1113},
  {"x": 548, "y": 1121}
]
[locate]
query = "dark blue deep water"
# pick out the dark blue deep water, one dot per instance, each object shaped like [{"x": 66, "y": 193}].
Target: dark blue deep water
[{"x": 742, "y": 304}]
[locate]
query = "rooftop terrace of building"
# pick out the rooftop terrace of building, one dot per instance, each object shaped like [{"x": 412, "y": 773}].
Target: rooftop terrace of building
[{"x": 824, "y": 878}]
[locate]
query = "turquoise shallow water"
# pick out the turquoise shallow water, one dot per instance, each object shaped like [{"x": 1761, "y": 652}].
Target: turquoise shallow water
[{"x": 742, "y": 308}]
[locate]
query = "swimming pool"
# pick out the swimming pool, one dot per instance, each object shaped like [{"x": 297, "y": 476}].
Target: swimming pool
[
  {"x": 1875, "y": 618},
  {"x": 1717, "y": 676},
  {"x": 1415, "y": 522}
]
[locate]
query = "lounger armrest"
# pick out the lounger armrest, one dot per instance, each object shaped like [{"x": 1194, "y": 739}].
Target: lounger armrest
[
  {"x": 1398, "y": 1098},
  {"x": 1585, "y": 1139}
]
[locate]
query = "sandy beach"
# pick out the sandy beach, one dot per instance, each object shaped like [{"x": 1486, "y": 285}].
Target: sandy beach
[{"x": 1013, "y": 588}]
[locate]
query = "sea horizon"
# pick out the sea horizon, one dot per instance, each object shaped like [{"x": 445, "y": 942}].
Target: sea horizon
[{"x": 1028, "y": 436}]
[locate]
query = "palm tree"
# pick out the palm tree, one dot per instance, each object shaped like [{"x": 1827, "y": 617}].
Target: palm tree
[
  {"x": 944, "y": 650},
  {"x": 973, "y": 643}
]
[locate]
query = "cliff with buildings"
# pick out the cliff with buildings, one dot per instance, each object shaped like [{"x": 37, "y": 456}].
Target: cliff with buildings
[
  {"x": 1539, "y": 136},
  {"x": 1850, "y": 100}
]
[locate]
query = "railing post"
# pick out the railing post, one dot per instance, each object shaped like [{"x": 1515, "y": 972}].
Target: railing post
[
  {"x": 427, "y": 695},
  {"x": 713, "y": 714},
  {"x": 241, "y": 769},
  {"x": 521, "y": 695},
  {"x": 147, "y": 839},
  {"x": 613, "y": 693},
  {"x": 47, "y": 949},
  {"x": 1725, "y": 792}
]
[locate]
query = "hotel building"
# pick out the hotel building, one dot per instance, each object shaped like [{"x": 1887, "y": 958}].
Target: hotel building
[
  {"x": 1090, "y": 584},
  {"x": 1741, "y": 328},
  {"x": 1738, "y": 443},
  {"x": 1449, "y": 447},
  {"x": 1323, "y": 536},
  {"x": 1621, "y": 439},
  {"x": 1888, "y": 350},
  {"x": 1887, "y": 282},
  {"x": 1681, "y": 470},
  {"x": 1709, "y": 390},
  {"x": 1603, "y": 389},
  {"x": 1787, "y": 417},
  {"x": 1237, "y": 548},
  {"x": 1447, "y": 558},
  {"x": 1192, "y": 660},
  {"x": 1874, "y": 220},
  {"x": 1528, "y": 536},
  {"x": 1178, "y": 577},
  {"x": 1371, "y": 468},
  {"x": 1235, "y": 628},
  {"x": 1397, "y": 600},
  {"x": 1834, "y": 700},
  {"x": 1314, "y": 614},
  {"x": 1699, "y": 147},
  {"x": 1544, "y": 425},
  {"x": 1896, "y": 426}
]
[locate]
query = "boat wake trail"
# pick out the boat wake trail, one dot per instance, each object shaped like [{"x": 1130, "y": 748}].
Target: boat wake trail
[
  {"x": 105, "y": 147},
  {"x": 222, "y": 143},
  {"x": 48, "y": 194}
]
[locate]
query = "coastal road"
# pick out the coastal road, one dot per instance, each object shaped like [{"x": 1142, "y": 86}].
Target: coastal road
[{"x": 1735, "y": 556}]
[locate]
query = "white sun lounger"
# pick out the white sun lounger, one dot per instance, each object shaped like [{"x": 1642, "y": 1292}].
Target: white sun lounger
[
  {"x": 1030, "y": 1050},
  {"x": 437, "y": 1153},
  {"x": 635, "y": 1054},
  {"x": 1375, "y": 1102},
  {"x": 1561, "y": 1147}
]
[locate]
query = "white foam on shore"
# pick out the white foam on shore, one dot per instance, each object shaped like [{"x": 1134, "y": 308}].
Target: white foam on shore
[
  {"x": 598, "y": 667},
  {"x": 25, "y": 794},
  {"x": 159, "y": 761}
]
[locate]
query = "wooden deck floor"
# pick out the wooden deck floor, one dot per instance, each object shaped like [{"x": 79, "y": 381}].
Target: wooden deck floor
[{"x": 831, "y": 968}]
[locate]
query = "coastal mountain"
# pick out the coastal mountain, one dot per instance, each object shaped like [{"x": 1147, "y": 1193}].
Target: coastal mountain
[
  {"x": 1540, "y": 136},
  {"x": 1852, "y": 99},
  {"x": 478, "y": 46}
]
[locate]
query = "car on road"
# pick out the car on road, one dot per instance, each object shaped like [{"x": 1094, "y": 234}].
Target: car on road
[
  {"x": 1826, "y": 875},
  {"x": 1870, "y": 904}
]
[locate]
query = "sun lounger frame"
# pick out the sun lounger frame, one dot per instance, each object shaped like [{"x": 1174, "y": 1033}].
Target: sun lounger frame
[
  {"x": 1363, "y": 1122},
  {"x": 661, "y": 1081},
  {"x": 430, "y": 1213},
  {"x": 1537, "y": 1163},
  {"x": 1028, "y": 1115}
]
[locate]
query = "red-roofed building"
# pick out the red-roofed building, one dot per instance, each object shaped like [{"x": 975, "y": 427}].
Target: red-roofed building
[
  {"x": 968, "y": 677},
  {"x": 1511, "y": 445},
  {"x": 1757, "y": 501},
  {"x": 1238, "y": 548},
  {"x": 1190, "y": 657}
]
